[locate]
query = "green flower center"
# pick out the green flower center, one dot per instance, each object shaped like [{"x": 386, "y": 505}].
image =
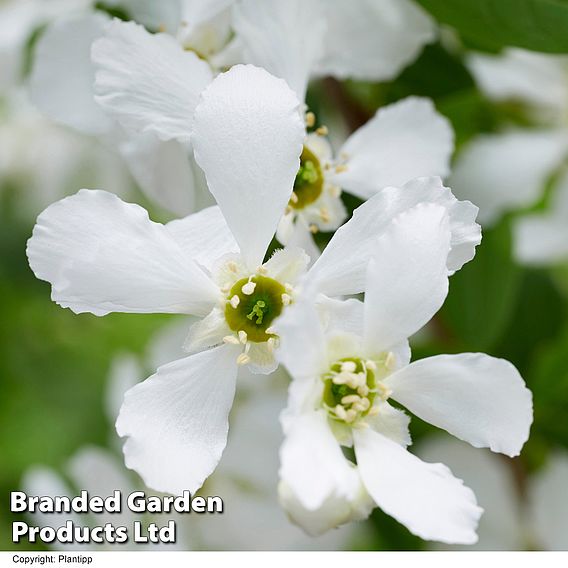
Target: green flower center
[
  {"x": 253, "y": 304},
  {"x": 308, "y": 184},
  {"x": 349, "y": 391}
]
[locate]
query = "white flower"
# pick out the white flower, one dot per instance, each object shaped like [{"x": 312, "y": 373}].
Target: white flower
[
  {"x": 539, "y": 521},
  {"x": 102, "y": 255},
  {"x": 62, "y": 87},
  {"x": 149, "y": 83},
  {"x": 343, "y": 377},
  {"x": 369, "y": 40},
  {"x": 508, "y": 171}
]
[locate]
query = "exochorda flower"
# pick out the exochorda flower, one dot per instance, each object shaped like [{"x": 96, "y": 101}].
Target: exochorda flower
[
  {"x": 346, "y": 369},
  {"x": 508, "y": 171},
  {"x": 103, "y": 255},
  {"x": 401, "y": 142}
]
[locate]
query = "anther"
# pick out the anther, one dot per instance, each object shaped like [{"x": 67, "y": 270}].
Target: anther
[
  {"x": 294, "y": 197},
  {"x": 340, "y": 168},
  {"x": 243, "y": 336},
  {"x": 230, "y": 339},
  {"x": 363, "y": 390},
  {"x": 314, "y": 229},
  {"x": 243, "y": 359},
  {"x": 288, "y": 287},
  {"x": 232, "y": 266},
  {"x": 271, "y": 344},
  {"x": 270, "y": 331},
  {"x": 286, "y": 299},
  {"x": 334, "y": 191},
  {"x": 340, "y": 412},
  {"x": 374, "y": 411},
  {"x": 322, "y": 131},
  {"x": 248, "y": 288},
  {"x": 350, "y": 399},
  {"x": 235, "y": 301},
  {"x": 324, "y": 215},
  {"x": 370, "y": 365},
  {"x": 310, "y": 119},
  {"x": 261, "y": 270},
  {"x": 348, "y": 366}
]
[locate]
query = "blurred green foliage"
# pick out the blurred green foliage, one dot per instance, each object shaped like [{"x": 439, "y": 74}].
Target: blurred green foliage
[{"x": 539, "y": 25}]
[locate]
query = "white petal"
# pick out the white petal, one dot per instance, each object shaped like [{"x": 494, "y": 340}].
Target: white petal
[
  {"x": 540, "y": 239},
  {"x": 302, "y": 344},
  {"x": 504, "y": 172},
  {"x": 342, "y": 267},
  {"x": 62, "y": 78},
  {"x": 177, "y": 420},
  {"x": 550, "y": 504},
  {"x": 480, "y": 399},
  {"x": 100, "y": 472},
  {"x": 248, "y": 139},
  {"x": 125, "y": 372},
  {"x": 522, "y": 75},
  {"x": 287, "y": 264},
  {"x": 196, "y": 12},
  {"x": 204, "y": 236},
  {"x": 297, "y": 234},
  {"x": 392, "y": 423},
  {"x": 316, "y": 477},
  {"x": 285, "y": 38},
  {"x": 407, "y": 277},
  {"x": 346, "y": 316},
  {"x": 491, "y": 479},
  {"x": 147, "y": 81},
  {"x": 101, "y": 255},
  {"x": 163, "y": 15},
  {"x": 207, "y": 332},
  {"x": 162, "y": 170},
  {"x": 426, "y": 498},
  {"x": 373, "y": 39},
  {"x": 405, "y": 140}
]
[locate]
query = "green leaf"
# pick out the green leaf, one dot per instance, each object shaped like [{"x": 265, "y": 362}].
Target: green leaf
[
  {"x": 539, "y": 25},
  {"x": 483, "y": 294}
]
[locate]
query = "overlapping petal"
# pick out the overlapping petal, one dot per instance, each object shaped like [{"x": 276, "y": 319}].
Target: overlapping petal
[
  {"x": 407, "y": 277},
  {"x": 248, "y": 139},
  {"x": 147, "y": 81},
  {"x": 342, "y": 267}
]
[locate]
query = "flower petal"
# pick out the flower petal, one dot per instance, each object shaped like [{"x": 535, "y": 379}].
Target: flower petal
[
  {"x": 520, "y": 75},
  {"x": 101, "y": 255},
  {"x": 549, "y": 503},
  {"x": 147, "y": 81},
  {"x": 477, "y": 398},
  {"x": 177, "y": 420},
  {"x": 507, "y": 171},
  {"x": 424, "y": 497},
  {"x": 204, "y": 236},
  {"x": 342, "y": 267},
  {"x": 285, "y": 38},
  {"x": 62, "y": 78},
  {"x": 407, "y": 277},
  {"x": 302, "y": 344},
  {"x": 373, "y": 40},
  {"x": 248, "y": 139},
  {"x": 319, "y": 487},
  {"x": 405, "y": 140},
  {"x": 491, "y": 479},
  {"x": 162, "y": 170}
]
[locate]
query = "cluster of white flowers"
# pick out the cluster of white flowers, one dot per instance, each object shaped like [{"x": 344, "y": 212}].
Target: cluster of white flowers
[{"x": 219, "y": 92}]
